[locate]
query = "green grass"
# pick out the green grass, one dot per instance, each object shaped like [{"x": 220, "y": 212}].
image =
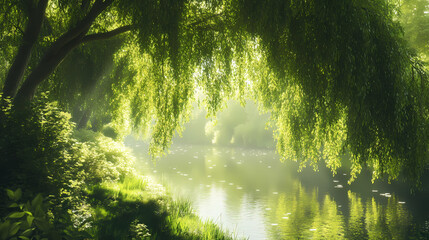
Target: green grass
[{"x": 138, "y": 208}]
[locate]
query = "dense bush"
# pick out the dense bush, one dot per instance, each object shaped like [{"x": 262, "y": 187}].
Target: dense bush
[
  {"x": 41, "y": 153},
  {"x": 35, "y": 146}
]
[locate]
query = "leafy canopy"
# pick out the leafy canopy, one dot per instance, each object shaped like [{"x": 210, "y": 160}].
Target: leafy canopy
[{"x": 338, "y": 77}]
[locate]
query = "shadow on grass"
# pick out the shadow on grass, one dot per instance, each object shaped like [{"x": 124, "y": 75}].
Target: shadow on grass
[{"x": 118, "y": 216}]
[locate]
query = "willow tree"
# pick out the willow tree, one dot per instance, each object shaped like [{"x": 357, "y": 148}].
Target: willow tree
[{"x": 336, "y": 76}]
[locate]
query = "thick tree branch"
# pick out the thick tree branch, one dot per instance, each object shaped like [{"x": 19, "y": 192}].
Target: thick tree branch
[
  {"x": 106, "y": 35},
  {"x": 20, "y": 63},
  {"x": 57, "y": 52},
  {"x": 82, "y": 27}
]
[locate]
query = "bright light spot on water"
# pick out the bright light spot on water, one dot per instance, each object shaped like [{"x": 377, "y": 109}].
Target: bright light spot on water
[
  {"x": 336, "y": 181},
  {"x": 385, "y": 194},
  {"x": 269, "y": 166},
  {"x": 338, "y": 186},
  {"x": 239, "y": 188},
  {"x": 258, "y": 190},
  {"x": 185, "y": 174},
  {"x": 210, "y": 167},
  {"x": 313, "y": 229},
  {"x": 274, "y": 224},
  {"x": 268, "y": 209},
  {"x": 209, "y": 176},
  {"x": 401, "y": 202},
  {"x": 285, "y": 217},
  {"x": 207, "y": 185},
  {"x": 231, "y": 183},
  {"x": 275, "y": 193},
  {"x": 154, "y": 171},
  {"x": 374, "y": 190}
]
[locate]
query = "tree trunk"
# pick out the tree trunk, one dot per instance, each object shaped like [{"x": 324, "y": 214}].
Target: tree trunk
[
  {"x": 32, "y": 31},
  {"x": 85, "y": 118},
  {"x": 47, "y": 65},
  {"x": 56, "y": 53},
  {"x": 60, "y": 48}
]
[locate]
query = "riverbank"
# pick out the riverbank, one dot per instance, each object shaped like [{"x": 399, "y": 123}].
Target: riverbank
[
  {"x": 58, "y": 182},
  {"x": 139, "y": 208}
]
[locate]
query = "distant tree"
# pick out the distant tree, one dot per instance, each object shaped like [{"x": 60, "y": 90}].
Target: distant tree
[{"x": 414, "y": 16}]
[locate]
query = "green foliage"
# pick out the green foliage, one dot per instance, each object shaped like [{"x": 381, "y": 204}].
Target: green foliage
[
  {"x": 33, "y": 220},
  {"x": 414, "y": 17},
  {"x": 110, "y": 132},
  {"x": 35, "y": 145},
  {"x": 100, "y": 158},
  {"x": 338, "y": 77},
  {"x": 341, "y": 79},
  {"x": 42, "y": 155},
  {"x": 27, "y": 221}
]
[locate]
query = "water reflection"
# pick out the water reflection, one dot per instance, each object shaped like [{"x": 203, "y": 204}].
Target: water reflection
[
  {"x": 389, "y": 221},
  {"x": 299, "y": 214},
  {"x": 303, "y": 214},
  {"x": 251, "y": 193}
]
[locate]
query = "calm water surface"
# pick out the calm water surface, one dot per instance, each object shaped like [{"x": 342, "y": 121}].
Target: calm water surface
[{"x": 254, "y": 195}]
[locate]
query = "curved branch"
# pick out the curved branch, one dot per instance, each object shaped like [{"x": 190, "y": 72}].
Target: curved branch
[{"x": 82, "y": 27}]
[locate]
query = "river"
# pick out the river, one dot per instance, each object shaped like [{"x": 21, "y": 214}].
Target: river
[{"x": 252, "y": 194}]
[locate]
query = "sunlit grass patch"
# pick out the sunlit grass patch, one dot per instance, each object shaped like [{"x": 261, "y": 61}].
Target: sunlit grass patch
[
  {"x": 137, "y": 206},
  {"x": 192, "y": 227}
]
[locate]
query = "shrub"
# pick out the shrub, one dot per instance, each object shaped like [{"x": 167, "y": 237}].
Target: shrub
[{"x": 35, "y": 146}]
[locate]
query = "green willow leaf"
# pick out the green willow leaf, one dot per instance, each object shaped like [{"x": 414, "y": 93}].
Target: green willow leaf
[{"x": 16, "y": 215}]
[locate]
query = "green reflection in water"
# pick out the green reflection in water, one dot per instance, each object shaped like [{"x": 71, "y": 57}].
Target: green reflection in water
[
  {"x": 389, "y": 221},
  {"x": 302, "y": 214},
  {"x": 299, "y": 215},
  {"x": 263, "y": 198}
]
